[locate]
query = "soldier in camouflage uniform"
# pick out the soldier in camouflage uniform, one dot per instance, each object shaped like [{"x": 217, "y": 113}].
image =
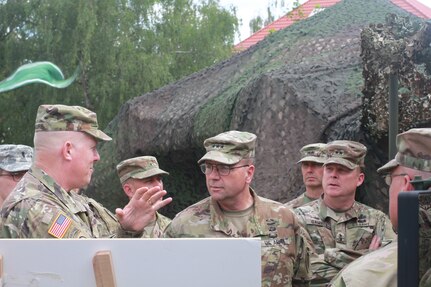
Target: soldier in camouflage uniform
[
  {"x": 341, "y": 228},
  {"x": 235, "y": 210},
  {"x": 43, "y": 205},
  {"x": 15, "y": 160},
  {"x": 379, "y": 268},
  {"x": 105, "y": 223},
  {"x": 140, "y": 172},
  {"x": 312, "y": 160}
]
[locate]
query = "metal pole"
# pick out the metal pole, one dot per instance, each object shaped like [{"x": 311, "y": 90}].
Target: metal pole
[{"x": 393, "y": 114}]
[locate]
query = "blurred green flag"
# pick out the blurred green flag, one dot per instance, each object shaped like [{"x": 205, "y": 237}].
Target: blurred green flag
[{"x": 38, "y": 72}]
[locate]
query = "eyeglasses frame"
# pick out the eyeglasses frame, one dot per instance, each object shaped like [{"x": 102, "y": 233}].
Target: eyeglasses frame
[{"x": 204, "y": 169}]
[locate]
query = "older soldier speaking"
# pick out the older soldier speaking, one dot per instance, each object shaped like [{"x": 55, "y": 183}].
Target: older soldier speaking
[
  {"x": 41, "y": 205},
  {"x": 15, "y": 160},
  {"x": 235, "y": 210}
]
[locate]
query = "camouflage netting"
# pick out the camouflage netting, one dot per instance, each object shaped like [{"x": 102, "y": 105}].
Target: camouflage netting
[
  {"x": 298, "y": 86},
  {"x": 401, "y": 47}
]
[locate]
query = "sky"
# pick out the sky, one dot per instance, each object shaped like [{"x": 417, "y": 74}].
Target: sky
[{"x": 249, "y": 9}]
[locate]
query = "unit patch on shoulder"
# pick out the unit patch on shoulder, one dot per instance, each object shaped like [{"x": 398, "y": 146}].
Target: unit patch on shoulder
[{"x": 60, "y": 225}]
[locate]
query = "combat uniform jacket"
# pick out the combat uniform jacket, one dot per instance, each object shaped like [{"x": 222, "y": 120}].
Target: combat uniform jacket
[
  {"x": 39, "y": 208},
  {"x": 301, "y": 200},
  {"x": 156, "y": 229},
  {"x": 285, "y": 249},
  {"x": 340, "y": 238},
  {"x": 378, "y": 268},
  {"x": 106, "y": 224}
]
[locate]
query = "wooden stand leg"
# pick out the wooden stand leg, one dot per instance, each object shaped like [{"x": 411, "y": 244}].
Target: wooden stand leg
[{"x": 104, "y": 269}]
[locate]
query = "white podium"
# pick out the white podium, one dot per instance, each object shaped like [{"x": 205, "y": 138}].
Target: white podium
[{"x": 130, "y": 262}]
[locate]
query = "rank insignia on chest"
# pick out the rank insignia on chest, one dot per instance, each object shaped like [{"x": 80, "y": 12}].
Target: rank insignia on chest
[
  {"x": 272, "y": 228},
  {"x": 60, "y": 225},
  {"x": 340, "y": 238},
  {"x": 362, "y": 218}
]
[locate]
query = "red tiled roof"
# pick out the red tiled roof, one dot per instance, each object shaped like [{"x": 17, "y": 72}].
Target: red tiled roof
[
  {"x": 301, "y": 12},
  {"x": 312, "y": 6},
  {"x": 414, "y": 7}
]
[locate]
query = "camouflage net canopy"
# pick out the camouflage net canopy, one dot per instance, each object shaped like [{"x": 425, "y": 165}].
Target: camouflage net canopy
[
  {"x": 300, "y": 85},
  {"x": 401, "y": 47}
]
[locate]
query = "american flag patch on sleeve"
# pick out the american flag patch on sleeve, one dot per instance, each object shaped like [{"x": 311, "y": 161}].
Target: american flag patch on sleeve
[{"x": 60, "y": 225}]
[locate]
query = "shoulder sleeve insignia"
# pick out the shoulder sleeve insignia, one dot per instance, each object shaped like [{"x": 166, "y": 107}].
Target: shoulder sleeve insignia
[{"x": 60, "y": 225}]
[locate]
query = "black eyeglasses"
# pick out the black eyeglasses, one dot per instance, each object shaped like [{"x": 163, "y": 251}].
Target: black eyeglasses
[
  {"x": 16, "y": 176},
  {"x": 222, "y": 169},
  {"x": 388, "y": 177}
]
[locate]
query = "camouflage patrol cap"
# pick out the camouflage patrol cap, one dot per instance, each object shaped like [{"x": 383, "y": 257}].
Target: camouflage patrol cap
[
  {"x": 350, "y": 154},
  {"x": 68, "y": 118},
  {"x": 139, "y": 167},
  {"x": 314, "y": 152},
  {"x": 414, "y": 151},
  {"x": 15, "y": 158},
  {"x": 229, "y": 147}
]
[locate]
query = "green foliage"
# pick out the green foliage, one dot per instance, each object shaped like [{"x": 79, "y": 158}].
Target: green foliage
[
  {"x": 256, "y": 24},
  {"x": 269, "y": 17},
  {"x": 124, "y": 49}
]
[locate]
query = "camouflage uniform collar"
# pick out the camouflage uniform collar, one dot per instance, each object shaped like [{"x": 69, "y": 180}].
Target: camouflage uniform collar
[
  {"x": 42, "y": 176},
  {"x": 307, "y": 199},
  {"x": 56, "y": 189},
  {"x": 325, "y": 212},
  {"x": 218, "y": 223}
]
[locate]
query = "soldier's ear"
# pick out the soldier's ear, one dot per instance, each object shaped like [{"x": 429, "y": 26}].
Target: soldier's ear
[
  {"x": 250, "y": 173},
  {"x": 360, "y": 179},
  {"x": 128, "y": 190},
  {"x": 407, "y": 186},
  {"x": 66, "y": 150}
]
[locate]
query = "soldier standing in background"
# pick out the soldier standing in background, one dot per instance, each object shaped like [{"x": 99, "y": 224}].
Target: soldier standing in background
[
  {"x": 15, "y": 160},
  {"x": 235, "y": 210},
  {"x": 341, "y": 228},
  {"x": 140, "y": 172},
  {"x": 312, "y": 160},
  {"x": 41, "y": 205},
  {"x": 413, "y": 158}
]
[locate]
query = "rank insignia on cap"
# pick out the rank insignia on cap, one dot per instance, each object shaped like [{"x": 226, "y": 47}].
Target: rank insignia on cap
[{"x": 60, "y": 225}]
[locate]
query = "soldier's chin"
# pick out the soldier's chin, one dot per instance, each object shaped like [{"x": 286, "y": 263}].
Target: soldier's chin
[{"x": 87, "y": 182}]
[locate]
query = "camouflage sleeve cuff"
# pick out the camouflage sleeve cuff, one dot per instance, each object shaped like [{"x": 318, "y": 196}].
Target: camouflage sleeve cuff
[
  {"x": 341, "y": 257},
  {"x": 122, "y": 233}
]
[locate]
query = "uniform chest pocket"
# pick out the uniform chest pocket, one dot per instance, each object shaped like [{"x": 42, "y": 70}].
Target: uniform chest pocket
[
  {"x": 278, "y": 257},
  {"x": 359, "y": 237}
]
